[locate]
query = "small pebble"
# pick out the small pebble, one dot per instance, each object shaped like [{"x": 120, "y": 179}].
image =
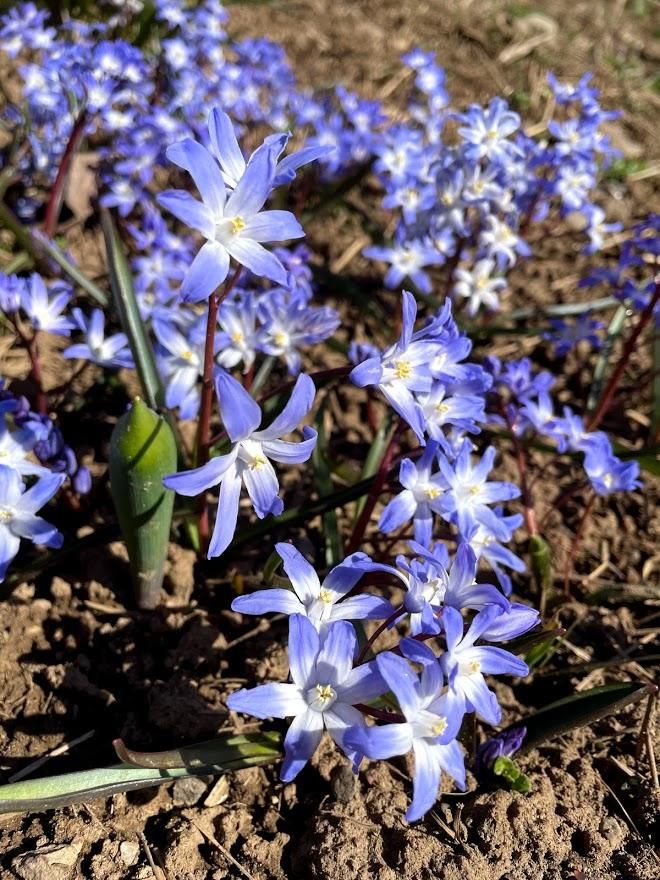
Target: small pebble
[
  {"x": 129, "y": 851},
  {"x": 188, "y": 791}
]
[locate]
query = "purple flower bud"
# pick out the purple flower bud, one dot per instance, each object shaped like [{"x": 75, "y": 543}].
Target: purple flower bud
[
  {"x": 502, "y": 745},
  {"x": 82, "y": 481}
]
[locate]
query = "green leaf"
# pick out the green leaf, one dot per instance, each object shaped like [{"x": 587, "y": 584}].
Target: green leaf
[
  {"x": 322, "y": 473},
  {"x": 614, "y": 330},
  {"x": 38, "y": 248},
  {"x": 142, "y": 452},
  {"x": 123, "y": 293},
  {"x": 219, "y": 752},
  {"x": 579, "y": 709},
  {"x": 374, "y": 458},
  {"x": 221, "y": 756}
]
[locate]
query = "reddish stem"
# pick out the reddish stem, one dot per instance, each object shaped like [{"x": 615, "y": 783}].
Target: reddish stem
[
  {"x": 380, "y": 714},
  {"x": 56, "y": 194},
  {"x": 31, "y": 345},
  {"x": 568, "y": 568},
  {"x": 380, "y": 629},
  {"x": 204, "y": 425},
  {"x": 376, "y": 488},
  {"x": 525, "y": 490},
  {"x": 606, "y": 398}
]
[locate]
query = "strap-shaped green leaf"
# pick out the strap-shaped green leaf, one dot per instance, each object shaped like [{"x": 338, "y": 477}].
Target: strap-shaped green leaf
[
  {"x": 123, "y": 294},
  {"x": 579, "y": 709},
  {"x": 213, "y": 757}
]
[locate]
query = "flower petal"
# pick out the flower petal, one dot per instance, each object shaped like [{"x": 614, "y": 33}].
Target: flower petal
[
  {"x": 425, "y": 781},
  {"x": 297, "y": 406},
  {"x": 291, "y": 453},
  {"x": 272, "y": 700},
  {"x": 227, "y": 513},
  {"x": 304, "y": 644},
  {"x": 302, "y": 575},
  {"x": 239, "y": 411},
  {"x": 301, "y": 741},
  {"x": 203, "y": 169},
  {"x": 225, "y": 146},
  {"x": 257, "y": 259},
  {"x": 265, "y": 601},
  {"x": 198, "y": 480},
  {"x": 273, "y": 226},
  {"x": 206, "y": 272},
  {"x": 188, "y": 210}
]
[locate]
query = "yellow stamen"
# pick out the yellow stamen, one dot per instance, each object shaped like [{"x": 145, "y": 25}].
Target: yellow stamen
[
  {"x": 326, "y": 596},
  {"x": 258, "y": 462},
  {"x": 440, "y": 726},
  {"x": 403, "y": 369},
  {"x": 237, "y": 337},
  {"x": 237, "y": 225},
  {"x": 432, "y": 492}
]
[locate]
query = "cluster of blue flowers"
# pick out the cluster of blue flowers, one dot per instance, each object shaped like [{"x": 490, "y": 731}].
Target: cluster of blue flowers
[
  {"x": 434, "y": 682},
  {"x": 469, "y": 203},
  {"x": 465, "y": 186},
  {"x": 530, "y": 411}
]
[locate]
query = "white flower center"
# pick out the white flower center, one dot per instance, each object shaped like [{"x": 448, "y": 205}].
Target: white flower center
[{"x": 321, "y": 697}]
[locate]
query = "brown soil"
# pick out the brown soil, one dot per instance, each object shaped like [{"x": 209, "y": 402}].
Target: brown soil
[{"x": 76, "y": 658}]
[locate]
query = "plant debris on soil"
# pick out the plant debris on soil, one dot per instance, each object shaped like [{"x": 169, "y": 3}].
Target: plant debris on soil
[{"x": 79, "y": 667}]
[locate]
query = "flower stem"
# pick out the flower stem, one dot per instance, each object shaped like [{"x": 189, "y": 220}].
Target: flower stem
[
  {"x": 376, "y": 488},
  {"x": 606, "y": 398},
  {"x": 380, "y": 714},
  {"x": 204, "y": 425},
  {"x": 380, "y": 629},
  {"x": 57, "y": 192}
]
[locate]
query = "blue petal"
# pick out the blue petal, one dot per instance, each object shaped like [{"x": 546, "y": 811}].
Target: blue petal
[
  {"x": 203, "y": 169},
  {"x": 450, "y": 758},
  {"x": 227, "y": 513},
  {"x": 398, "y": 512},
  {"x": 39, "y": 494},
  {"x": 225, "y": 145},
  {"x": 497, "y": 661},
  {"x": 409, "y": 315},
  {"x": 239, "y": 411},
  {"x": 265, "y": 601},
  {"x": 297, "y": 407},
  {"x": 286, "y": 169},
  {"x": 301, "y": 741},
  {"x": 425, "y": 781},
  {"x": 206, "y": 272},
  {"x": 9, "y": 545},
  {"x": 362, "y": 684},
  {"x": 188, "y": 210},
  {"x": 304, "y": 644},
  {"x": 11, "y": 486},
  {"x": 257, "y": 259},
  {"x": 291, "y": 453},
  {"x": 198, "y": 480},
  {"x": 369, "y": 372},
  {"x": 402, "y": 681},
  {"x": 362, "y": 608},
  {"x": 255, "y": 184},
  {"x": 263, "y": 487},
  {"x": 272, "y": 700},
  {"x": 302, "y": 575},
  {"x": 37, "y": 530},
  {"x": 273, "y": 226},
  {"x": 335, "y": 659},
  {"x": 381, "y": 743}
]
